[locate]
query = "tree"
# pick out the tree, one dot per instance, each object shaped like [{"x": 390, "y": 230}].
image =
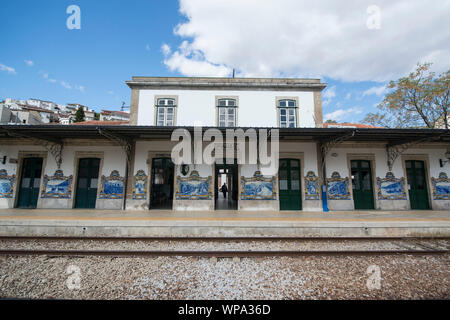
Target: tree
[
  {"x": 79, "y": 115},
  {"x": 418, "y": 100},
  {"x": 331, "y": 121},
  {"x": 96, "y": 116}
]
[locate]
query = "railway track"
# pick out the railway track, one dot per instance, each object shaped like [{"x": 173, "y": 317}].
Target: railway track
[
  {"x": 217, "y": 254},
  {"x": 262, "y": 238},
  {"x": 408, "y": 246}
]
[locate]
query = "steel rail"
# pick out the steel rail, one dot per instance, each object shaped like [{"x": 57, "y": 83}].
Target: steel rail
[
  {"x": 260, "y": 238},
  {"x": 218, "y": 254}
]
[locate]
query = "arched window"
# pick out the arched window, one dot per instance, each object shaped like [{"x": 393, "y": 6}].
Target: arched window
[
  {"x": 165, "y": 112},
  {"x": 227, "y": 112},
  {"x": 287, "y": 113}
]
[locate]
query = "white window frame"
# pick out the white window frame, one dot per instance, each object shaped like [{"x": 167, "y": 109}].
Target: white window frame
[
  {"x": 226, "y": 107},
  {"x": 287, "y": 108},
  {"x": 162, "y": 108}
]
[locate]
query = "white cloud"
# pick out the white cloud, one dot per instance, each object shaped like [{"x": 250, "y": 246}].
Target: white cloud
[
  {"x": 165, "y": 48},
  {"x": 341, "y": 113},
  {"x": 147, "y": 47},
  {"x": 348, "y": 96},
  {"x": 29, "y": 63},
  {"x": 78, "y": 87},
  {"x": 191, "y": 62},
  {"x": 7, "y": 69},
  {"x": 378, "y": 91},
  {"x": 328, "y": 95},
  {"x": 46, "y": 77},
  {"x": 110, "y": 92},
  {"x": 303, "y": 38},
  {"x": 66, "y": 85}
]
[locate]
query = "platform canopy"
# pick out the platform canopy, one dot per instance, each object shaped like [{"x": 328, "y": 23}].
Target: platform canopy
[{"x": 57, "y": 133}]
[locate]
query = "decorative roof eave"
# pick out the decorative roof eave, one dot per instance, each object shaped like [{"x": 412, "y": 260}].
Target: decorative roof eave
[
  {"x": 390, "y": 136},
  {"x": 226, "y": 83}
]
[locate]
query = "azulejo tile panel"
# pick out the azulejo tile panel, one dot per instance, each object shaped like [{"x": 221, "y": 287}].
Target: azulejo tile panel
[
  {"x": 57, "y": 186},
  {"x": 112, "y": 186},
  {"x": 312, "y": 186},
  {"x": 6, "y": 184},
  {"x": 337, "y": 187},
  {"x": 258, "y": 187},
  {"x": 193, "y": 187},
  {"x": 140, "y": 186},
  {"x": 391, "y": 188},
  {"x": 441, "y": 187}
]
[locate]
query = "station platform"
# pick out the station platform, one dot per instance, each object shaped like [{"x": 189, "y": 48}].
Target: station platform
[{"x": 160, "y": 223}]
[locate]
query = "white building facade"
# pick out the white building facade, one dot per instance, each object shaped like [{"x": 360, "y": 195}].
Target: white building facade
[{"x": 132, "y": 166}]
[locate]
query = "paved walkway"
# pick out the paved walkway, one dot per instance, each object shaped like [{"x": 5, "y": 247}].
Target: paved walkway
[
  {"x": 76, "y": 222},
  {"x": 223, "y": 215}
]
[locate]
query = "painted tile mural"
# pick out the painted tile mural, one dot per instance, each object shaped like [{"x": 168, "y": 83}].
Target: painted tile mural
[
  {"x": 193, "y": 187},
  {"x": 140, "y": 186},
  {"x": 441, "y": 187},
  {"x": 337, "y": 187},
  {"x": 391, "y": 188},
  {"x": 112, "y": 186},
  {"x": 6, "y": 184},
  {"x": 258, "y": 187},
  {"x": 57, "y": 186},
  {"x": 312, "y": 187}
]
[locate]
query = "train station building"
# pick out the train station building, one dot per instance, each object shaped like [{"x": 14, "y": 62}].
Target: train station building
[{"x": 131, "y": 166}]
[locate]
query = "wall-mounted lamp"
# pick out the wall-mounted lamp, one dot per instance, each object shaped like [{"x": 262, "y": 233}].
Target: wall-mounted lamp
[
  {"x": 4, "y": 160},
  {"x": 443, "y": 162}
]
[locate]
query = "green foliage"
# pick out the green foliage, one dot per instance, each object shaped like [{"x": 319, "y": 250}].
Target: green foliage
[
  {"x": 420, "y": 100},
  {"x": 79, "y": 115}
]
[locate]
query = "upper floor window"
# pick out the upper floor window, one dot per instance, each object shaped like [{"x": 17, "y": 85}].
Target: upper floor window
[
  {"x": 287, "y": 113},
  {"x": 165, "y": 112},
  {"x": 227, "y": 112}
]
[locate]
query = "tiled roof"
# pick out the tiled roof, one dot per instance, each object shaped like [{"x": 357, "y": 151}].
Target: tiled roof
[
  {"x": 100, "y": 123},
  {"x": 28, "y": 107},
  {"x": 349, "y": 125},
  {"x": 116, "y": 112}
]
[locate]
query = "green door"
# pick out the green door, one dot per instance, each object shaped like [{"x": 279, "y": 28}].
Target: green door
[
  {"x": 87, "y": 183},
  {"x": 289, "y": 184},
  {"x": 417, "y": 185},
  {"x": 30, "y": 183},
  {"x": 161, "y": 190},
  {"x": 362, "y": 184}
]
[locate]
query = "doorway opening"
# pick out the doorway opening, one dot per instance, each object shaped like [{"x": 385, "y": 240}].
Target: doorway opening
[
  {"x": 30, "y": 183},
  {"x": 417, "y": 185},
  {"x": 290, "y": 184},
  {"x": 362, "y": 184},
  {"x": 87, "y": 183},
  {"x": 226, "y": 186},
  {"x": 161, "y": 189}
]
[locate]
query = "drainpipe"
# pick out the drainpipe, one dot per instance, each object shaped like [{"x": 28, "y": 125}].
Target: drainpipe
[
  {"x": 324, "y": 178},
  {"x": 129, "y": 157},
  {"x": 125, "y": 187}
]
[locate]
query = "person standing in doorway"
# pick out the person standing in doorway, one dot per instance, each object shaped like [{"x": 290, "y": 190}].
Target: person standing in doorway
[{"x": 224, "y": 190}]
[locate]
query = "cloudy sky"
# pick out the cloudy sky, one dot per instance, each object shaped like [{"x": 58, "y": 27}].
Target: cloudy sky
[{"x": 355, "y": 46}]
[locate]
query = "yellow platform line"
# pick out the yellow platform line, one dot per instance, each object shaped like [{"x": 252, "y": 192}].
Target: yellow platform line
[{"x": 214, "y": 218}]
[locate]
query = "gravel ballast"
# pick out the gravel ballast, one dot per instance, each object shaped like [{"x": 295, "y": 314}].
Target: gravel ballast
[{"x": 315, "y": 277}]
